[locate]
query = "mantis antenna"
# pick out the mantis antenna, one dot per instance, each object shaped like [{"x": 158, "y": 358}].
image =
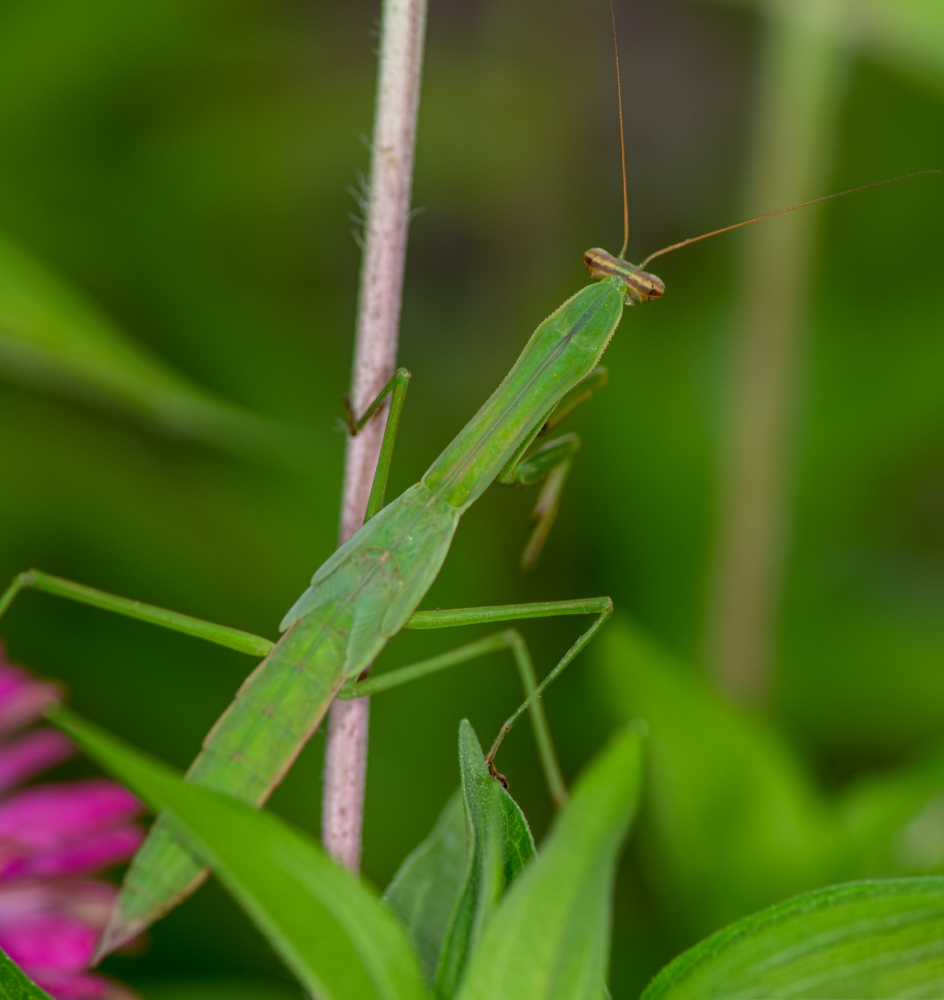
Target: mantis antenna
[
  {"x": 782, "y": 211},
  {"x": 619, "y": 101}
]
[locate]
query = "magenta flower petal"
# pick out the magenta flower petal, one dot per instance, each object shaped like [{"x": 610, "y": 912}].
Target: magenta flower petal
[
  {"x": 87, "y": 855},
  {"x": 50, "y": 921},
  {"x": 13, "y": 857},
  {"x": 32, "y": 753},
  {"x": 49, "y": 941},
  {"x": 22, "y": 698},
  {"x": 75, "y": 985},
  {"x": 86, "y": 900},
  {"x": 49, "y": 817}
]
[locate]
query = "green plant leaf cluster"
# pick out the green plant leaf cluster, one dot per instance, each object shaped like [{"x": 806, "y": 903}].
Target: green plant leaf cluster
[
  {"x": 510, "y": 923},
  {"x": 446, "y": 890},
  {"x": 342, "y": 942}
]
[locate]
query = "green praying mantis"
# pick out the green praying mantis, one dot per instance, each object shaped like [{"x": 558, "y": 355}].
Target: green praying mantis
[{"x": 371, "y": 587}]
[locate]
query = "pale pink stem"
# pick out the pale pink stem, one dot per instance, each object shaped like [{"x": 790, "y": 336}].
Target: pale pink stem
[{"x": 403, "y": 26}]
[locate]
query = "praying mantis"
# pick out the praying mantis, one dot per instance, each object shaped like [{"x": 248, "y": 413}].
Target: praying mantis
[{"x": 371, "y": 587}]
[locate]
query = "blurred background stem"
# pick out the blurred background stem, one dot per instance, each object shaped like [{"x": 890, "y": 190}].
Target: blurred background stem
[
  {"x": 797, "y": 110},
  {"x": 403, "y": 26}
]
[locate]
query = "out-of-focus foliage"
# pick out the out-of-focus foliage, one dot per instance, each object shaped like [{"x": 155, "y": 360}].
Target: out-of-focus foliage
[
  {"x": 186, "y": 164},
  {"x": 50, "y": 338},
  {"x": 732, "y": 820}
]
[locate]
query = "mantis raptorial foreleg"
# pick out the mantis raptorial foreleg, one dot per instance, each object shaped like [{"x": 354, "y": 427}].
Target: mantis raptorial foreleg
[{"x": 549, "y": 463}]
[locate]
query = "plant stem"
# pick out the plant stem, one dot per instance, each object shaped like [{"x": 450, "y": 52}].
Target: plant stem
[
  {"x": 403, "y": 24},
  {"x": 798, "y": 105}
]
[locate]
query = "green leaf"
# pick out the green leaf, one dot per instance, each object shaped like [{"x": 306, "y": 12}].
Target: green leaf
[
  {"x": 864, "y": 939},
  {"x": 426, "y": 886},
  {"x": 329, "y": 927},
  {"x": 549, "y": 937},
  {"x": 498, "y": 846},
  {"x": 52, "y": 337},
  {"x": 15, "y": 984}
]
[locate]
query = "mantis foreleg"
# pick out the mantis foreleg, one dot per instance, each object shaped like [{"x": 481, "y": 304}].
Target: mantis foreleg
[
  {"x": 549, "y": 464},
  {"x": 397, "y": 385}
]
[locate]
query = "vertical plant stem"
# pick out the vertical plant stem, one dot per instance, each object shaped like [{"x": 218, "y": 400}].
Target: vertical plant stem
[
  {"x": 798, "y": 106},
  {"x": 403, "y": 25}
]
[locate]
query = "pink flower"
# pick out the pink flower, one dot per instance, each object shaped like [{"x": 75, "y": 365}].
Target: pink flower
[{"x": 52, "y": 838}]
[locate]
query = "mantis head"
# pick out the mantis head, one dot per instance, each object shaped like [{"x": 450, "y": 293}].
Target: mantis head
[{"x": 640, "y": 285}]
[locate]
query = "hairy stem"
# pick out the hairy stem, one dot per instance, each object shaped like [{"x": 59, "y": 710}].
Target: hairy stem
[
  {"x": 403, "y": 24},
  {"x": 798, "y": 104}
]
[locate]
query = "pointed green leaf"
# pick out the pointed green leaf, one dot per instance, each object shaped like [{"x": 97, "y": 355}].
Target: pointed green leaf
[
  {"x": 549, "y": 937},
  {"x": 15, "y": 984},
  {"x": 328, "y": 926},
  {"x": 426, "y": 886},
  {"x": 498, "y": 846},
  {"x": 864, "y": 939},
  {"x": 52, "y": 337}
]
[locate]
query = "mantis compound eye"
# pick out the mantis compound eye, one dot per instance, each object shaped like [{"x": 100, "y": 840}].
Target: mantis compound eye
[{"x": 657, "y": 289}]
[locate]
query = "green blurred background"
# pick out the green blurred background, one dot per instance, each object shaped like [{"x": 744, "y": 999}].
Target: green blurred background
[{"x": 187, "y": 164}]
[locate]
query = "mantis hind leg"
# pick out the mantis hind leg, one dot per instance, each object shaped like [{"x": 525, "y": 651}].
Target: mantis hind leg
[
  {"x": 509, "y": 639},
  {"x": 221, "y": 635},
  {"x": 549, "y": 464}
]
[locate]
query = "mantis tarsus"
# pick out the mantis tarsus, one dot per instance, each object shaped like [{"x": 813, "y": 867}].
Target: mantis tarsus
[{"x": 370, "y": 588}]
